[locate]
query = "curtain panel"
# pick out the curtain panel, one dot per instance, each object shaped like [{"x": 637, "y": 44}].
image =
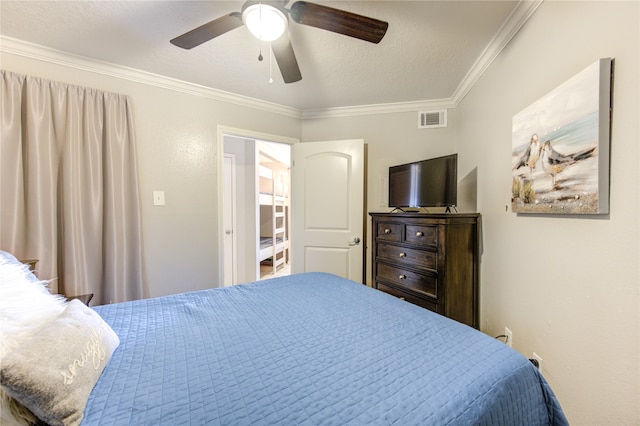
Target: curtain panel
[{"x": 69, "y": 193}]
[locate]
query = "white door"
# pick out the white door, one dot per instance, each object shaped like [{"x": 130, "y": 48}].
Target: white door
[
  {"x": 229, "y": 219},
  {"x": 327, "y": 211}
]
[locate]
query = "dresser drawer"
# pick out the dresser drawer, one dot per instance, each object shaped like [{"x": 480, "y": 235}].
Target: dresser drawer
[
  {"x": 389, "y": 231},
  {"x": 422, "y": 283},
  {"x": 432, "y": 306},
  {"x": 421, "y": 234},
  {"x": 429, "y": 259},
  {"x": 408, "y": 256}
]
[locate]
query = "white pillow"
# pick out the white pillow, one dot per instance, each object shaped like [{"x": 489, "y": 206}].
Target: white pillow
[
  {"x": 25, "y": 303},
  {"x": 25, "y": 306},
  {"x": 54, "y": 372}
]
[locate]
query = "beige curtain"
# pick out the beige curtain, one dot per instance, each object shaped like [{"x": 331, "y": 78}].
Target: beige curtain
[{"x": 69, "y": 192}]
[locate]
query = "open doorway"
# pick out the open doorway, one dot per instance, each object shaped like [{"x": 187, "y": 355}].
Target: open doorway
[
  {"x": 255, "y": 208},
  {"x": 274, "y": 171}
]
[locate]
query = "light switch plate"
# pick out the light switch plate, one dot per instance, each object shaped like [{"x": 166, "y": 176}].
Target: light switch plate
[{"x": 158, "y": 198}]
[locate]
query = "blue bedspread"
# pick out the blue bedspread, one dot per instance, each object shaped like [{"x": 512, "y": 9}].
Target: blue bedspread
[{"x": 309, "y": 349}]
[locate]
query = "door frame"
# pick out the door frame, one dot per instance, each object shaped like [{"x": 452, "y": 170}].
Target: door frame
[
  {"x": 223, "y": 131},
  {"x": 232, "y": 213}
]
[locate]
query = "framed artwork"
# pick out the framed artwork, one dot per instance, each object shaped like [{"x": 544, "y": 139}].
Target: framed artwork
[{"x": 560, "y": 147}]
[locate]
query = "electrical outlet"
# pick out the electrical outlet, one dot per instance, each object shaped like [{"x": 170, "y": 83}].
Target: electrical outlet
[
  {"x": 537, "y": 358},
  {"x": 509, "y": 338}
]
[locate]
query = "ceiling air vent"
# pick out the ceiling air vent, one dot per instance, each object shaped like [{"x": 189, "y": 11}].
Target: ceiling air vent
[{"x": 432, "y": 119}]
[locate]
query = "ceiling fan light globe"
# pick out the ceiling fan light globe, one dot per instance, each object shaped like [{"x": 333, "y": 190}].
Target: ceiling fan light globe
[{"x": 264, "y": 21}]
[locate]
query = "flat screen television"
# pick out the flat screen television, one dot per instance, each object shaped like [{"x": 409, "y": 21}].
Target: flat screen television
[{"x": 426, "y": 183}]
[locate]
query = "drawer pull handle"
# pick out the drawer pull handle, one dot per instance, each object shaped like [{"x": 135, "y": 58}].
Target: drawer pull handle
[
  {"x": 419, "y": 234},
  {"x": 387, "y": 231},
  {"x": 403, "y": 254},
  {"x": 402, "y": 277}
]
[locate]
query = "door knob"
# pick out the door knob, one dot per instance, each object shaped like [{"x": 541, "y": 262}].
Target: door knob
[{"x": 355, "y": 241}]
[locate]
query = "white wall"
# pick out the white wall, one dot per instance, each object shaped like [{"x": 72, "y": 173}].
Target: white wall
[
  {"x": 568, "y": 287},
  {"x": 177, "y": 153},
  {"x": 390, "y": 139}
]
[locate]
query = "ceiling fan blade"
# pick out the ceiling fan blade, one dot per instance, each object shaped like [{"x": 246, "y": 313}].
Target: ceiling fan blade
[
  {"x": 208, "y": 31},
  {"x": 339, "y": 21},
  {"x": 286, "y": 58}
]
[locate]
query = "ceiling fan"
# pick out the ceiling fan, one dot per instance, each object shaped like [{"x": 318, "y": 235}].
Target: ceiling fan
[{"x": 261, "y": 17}]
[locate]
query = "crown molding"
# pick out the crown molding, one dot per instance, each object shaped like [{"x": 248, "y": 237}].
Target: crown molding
[
  {"x": 521, "y": 13},
  {"x": 45, "y": 54},
  {"x": 389, "y": 108}
]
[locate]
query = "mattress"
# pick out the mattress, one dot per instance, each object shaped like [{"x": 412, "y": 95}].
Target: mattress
[
  {"x": 267, "y": 242},
  {"x": 308, "y": 349}
]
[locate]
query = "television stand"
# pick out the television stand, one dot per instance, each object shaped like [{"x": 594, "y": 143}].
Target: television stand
[
  {"x": 420, "y": 210},
  {"x": 406, "y": 210}
]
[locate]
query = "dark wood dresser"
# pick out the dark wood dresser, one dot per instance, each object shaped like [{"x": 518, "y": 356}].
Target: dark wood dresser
[{"x": 431, "y": 260}]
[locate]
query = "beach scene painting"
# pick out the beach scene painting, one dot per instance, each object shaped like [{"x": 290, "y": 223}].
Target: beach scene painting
[{"x": 560, "y": 147}]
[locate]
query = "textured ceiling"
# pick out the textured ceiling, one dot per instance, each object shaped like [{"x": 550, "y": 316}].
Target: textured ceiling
[{"x": 428, "y": 51}]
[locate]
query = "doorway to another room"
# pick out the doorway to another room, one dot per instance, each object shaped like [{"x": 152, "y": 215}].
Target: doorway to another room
[
  {"x": 274, "y": 166},
  {"x": 324, "y": 232},
  {"x": 256, "y": 209}
]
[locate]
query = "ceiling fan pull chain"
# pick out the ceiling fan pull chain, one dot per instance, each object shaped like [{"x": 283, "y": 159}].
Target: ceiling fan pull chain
[
  {"x": 260, "y": 38},
  {"x": 270, "y": 64}
]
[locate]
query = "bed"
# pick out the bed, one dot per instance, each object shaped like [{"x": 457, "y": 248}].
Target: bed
[
  {"x": 307, "y": 349},
  {"x": 267, "y": 249},
  {"x": 273, "y": 211}
]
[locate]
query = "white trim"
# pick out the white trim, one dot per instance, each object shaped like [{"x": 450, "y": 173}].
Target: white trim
[
  {"x": 250, "y": 134},
  {"x": 45, "y": 54},
  {"x": 389, "y": 108},
  {"x": 233, "y": 131},
  {"x": 234, "y": 251},
  {"x": 521, "y": 13}
]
